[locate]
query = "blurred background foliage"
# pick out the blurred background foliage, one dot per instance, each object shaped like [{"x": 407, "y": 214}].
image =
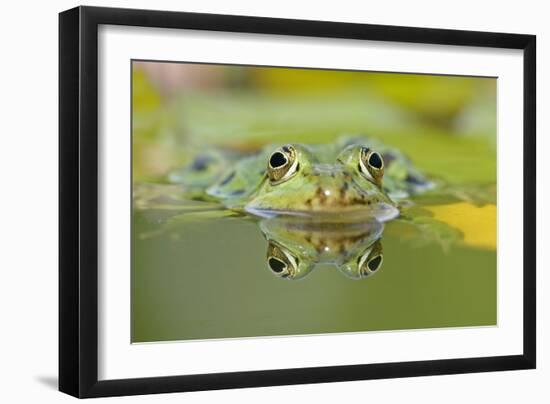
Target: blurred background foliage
[{"x": 446, "y": 124}]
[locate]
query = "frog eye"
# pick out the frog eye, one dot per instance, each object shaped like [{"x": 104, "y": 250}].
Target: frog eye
[
  {"x": 369, "y": 265},
  {"x": 282, "y": 165},
  {"x": 280, "y": 262},
  {"x": 371, "y": 261},
  {"x": 371, "y": 165}
]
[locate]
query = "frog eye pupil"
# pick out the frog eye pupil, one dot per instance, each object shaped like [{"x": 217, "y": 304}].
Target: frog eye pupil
[
  {"x": 374, "y": 263},
  {"x": 375, "y": 160},
  {"x": 277, "y": 160},
  {"x": 276, "y": 265}
]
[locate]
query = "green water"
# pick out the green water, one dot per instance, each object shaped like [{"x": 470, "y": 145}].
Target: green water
[{"x": 202, "y": 279}]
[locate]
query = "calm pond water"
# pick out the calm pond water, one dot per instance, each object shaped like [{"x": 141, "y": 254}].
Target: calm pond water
[{"x": 200, "y": 277}]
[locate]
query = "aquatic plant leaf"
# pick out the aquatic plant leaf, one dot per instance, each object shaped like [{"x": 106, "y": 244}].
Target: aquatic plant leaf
[{"x": 478, "y": 224}]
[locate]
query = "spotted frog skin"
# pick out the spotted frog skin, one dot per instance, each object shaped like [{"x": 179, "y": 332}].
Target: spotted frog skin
[{"x": 350, "y": 179}]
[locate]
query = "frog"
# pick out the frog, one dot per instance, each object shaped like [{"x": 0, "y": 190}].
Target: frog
[
  {"x": 353, "y": 178},
  {"x": 296, "y": 247}
]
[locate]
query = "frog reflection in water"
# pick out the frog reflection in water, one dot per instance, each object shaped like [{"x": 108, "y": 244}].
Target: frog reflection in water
[
  {"x": 295, "y": 248},
  {"x": 351, "y": 179},
  {"x": 317, "y": 204}
]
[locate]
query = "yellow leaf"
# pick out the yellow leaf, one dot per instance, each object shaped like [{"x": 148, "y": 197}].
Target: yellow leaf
[{"x": 478, "y": 224}]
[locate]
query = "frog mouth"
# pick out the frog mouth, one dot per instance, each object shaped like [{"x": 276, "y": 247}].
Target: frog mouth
[{"x": 380, "y": 212}]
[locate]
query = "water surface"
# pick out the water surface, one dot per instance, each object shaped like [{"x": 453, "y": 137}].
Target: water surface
[{"x": 208, "y": 278}]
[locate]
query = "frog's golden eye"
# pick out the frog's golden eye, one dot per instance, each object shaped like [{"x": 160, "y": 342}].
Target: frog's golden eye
[
  {"x": 282, "y": 165},
  {"x": 371, "y": 261},
  {"x": 280, "y": 261},
  {"x": 371, "y": 165}
]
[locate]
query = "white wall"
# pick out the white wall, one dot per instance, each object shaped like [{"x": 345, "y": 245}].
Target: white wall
[{"x": 28, "y": 163}]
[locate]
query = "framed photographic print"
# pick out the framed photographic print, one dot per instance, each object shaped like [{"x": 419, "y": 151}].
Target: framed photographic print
[{"x": 251, "y": 201}]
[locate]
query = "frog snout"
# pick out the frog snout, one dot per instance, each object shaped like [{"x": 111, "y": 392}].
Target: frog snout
[
  {"x": 337, "y": 190},
  {"x": 326, "y": 190}
]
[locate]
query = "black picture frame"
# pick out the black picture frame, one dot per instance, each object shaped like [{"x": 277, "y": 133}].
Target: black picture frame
[{"x": 78, "y": 200}]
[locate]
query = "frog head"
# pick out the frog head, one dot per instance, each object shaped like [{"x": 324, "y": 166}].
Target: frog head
[{"x": 298, "y": 183}]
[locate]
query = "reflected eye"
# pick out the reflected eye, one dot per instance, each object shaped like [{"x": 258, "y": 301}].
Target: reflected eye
[
  {"x": 371, "y": 261},
  {"x": 371, "y": 165},
  {"x": 277, "y": 265},
  {"x": 282, "y": 165},
  {"x": 374, "y": 263},
  {"x": 280, "y": 261}
]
